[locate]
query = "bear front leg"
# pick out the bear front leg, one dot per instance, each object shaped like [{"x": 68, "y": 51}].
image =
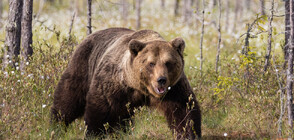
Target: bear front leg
[
  {"x": 96, "y": 113},
  {"x": 181, "y": 110},
  {"x": 183, "y": 117}
]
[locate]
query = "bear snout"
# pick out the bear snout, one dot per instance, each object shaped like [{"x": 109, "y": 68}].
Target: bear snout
[{"x": 162, "y": 80}]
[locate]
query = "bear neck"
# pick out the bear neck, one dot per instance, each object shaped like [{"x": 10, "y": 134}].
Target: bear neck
[{"x": 127, "y": 75}]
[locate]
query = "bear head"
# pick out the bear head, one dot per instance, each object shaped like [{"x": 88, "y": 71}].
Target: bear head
[{"x": 157, "y": 65}]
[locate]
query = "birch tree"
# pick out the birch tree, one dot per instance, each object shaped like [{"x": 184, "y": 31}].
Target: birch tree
[{"x": 13, "y": 31}]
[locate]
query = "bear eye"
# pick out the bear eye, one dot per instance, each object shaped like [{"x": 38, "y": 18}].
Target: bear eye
[
  {"x": 169, "y": 65},
  {"x": 151, "y": 64}
]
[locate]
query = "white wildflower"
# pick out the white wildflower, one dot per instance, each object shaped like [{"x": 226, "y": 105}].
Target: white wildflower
[
  {"x": 9, "y": 61},
  {"x": 27, "y": 63},
  {"x": 16, "y": 64},
  {"x": 12, "y": 72},
  {"x": 168, "y": 88},
  {"x": 17, "y": 68},
  {"x": 18, "y": 81},
  {"x": 43, "y": 106},
  {"x": 225, "y": 134},
  {"x": 7, "y": 56},
  {"x": 42, "y": 77}
]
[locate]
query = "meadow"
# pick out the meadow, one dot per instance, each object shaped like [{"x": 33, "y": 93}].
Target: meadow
[{"x": 241, "y": 101}]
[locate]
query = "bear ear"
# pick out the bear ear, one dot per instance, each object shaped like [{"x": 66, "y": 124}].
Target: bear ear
[
  {"x": 136, "y": 46},
  {"x": 178, "y": 44}
]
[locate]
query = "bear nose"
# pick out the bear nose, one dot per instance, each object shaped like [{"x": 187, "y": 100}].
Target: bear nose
[{"x": 161, "y": 80}]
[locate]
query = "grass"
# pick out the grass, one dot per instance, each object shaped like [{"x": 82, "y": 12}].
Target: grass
[{"x": 243, "y": 106}]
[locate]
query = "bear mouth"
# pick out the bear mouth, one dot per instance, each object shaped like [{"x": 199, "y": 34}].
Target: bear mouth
[{"x": 160, "y": 90}]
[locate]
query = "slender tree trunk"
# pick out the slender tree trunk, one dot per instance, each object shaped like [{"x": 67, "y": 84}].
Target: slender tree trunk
[
  {"x": 287, "y": 30},
  {"x": 197, "y": 5},
  {"x": 89, "y": 26},
  {"x": 201, "y": 39},
  {"x": 236, "y": 18},
  {"x": 124, "y": 10},
  {"x": 289, "y": 83},
  {"x": 138, "y": 11},
  {"x": 1, "y": 9},
  {"x": 186, "y": 11},
  {"x": 13, "y": 31},
  {"x": 134, "y": 4},
  {"x": 176, "y": 10},
  {"x": 248, "y": 5},
  {"x": 269, "y": 48},
  {"x": 162, "y": 4},
  {"x": 262, "y": 12},
  {"x": 227, "y": 14},
  {"x": 219, "y": 37},
  {"x": 71, "y": 23},
  {"x": 26, "y": 32},
  {"x": 76, "y": 6}
]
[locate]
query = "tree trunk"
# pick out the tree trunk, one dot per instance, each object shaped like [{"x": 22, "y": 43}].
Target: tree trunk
[
  {"x": 248, "y": 5},
  {"x": 262, "y": 12},
  {"x": 26, "y": 33},
  {"x": 269, "y": 48},
  {"x": 89, "y": 26},
  {"x": 289, "y": 83},
  {"x": 219, "y": 37},
  {"x": 124, "y": 10},
  {"x": 186, "y": 11},
  {"x": 287, "y": 30},
  {"x": 138, "y": 11},
  {"x": 162, "y": 4},
  {"x": 236, "y": 18},
  {"x": 176, "y": 10},
  {"x": 227, "y": 18},
  {"x": 1, "y": 9},
  {"x": 201, "y": 38},
  {"x": 197, "y": 5},
  {"x": 13, "y": 31},
  {"x": 71, "y": 23}
]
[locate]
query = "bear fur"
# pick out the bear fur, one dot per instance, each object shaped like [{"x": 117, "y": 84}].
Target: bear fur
[{"x": 117, "y": 66}]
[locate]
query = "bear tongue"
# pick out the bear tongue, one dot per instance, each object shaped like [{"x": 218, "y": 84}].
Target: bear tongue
[{"x": 161, "y": 90}]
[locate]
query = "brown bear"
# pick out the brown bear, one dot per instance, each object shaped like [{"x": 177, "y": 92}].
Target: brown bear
[{"x": 115, "y": 67}]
